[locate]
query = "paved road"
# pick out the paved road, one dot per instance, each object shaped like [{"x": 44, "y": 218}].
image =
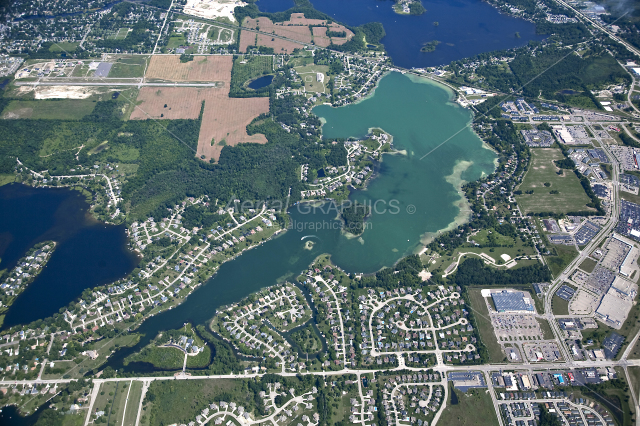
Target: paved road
[{"x": 111, "y": 84}]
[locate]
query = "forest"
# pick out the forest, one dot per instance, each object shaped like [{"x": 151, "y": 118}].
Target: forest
[
  {"x": 354, "y": 216},
  {"x": 474, "y": 271}
]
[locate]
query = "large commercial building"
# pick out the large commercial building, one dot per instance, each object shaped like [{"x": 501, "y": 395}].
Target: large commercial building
[{"x": 512, "y": 301}]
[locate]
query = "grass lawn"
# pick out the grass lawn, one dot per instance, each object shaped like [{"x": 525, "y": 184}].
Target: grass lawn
[
  {"x": 118, "y": 403},
  {"x": 105, "y": 396},
  {"x": 491, "y": 236},
  {"x": 588, "y": 265},
  {"x": 128, "y": 67},
  {"x": 634, "y": 375},
  {"x": 308, "y": 74},
  {"x": 63, "y": 46},
  {"x": 559, "y": 306},
  {"x": 481, "y": 314},
  {"x": 546, "y": 329},
  {"x": 571, "y": 197},
  {"x": 473, "y": 408},
  {"x": 176, "y": 40},
  {"x": 59, "y": 109},
  {"x": 132, "y": 403},
  {"x": 565, "y": 255},
  {"x": 5, "y": 179}
]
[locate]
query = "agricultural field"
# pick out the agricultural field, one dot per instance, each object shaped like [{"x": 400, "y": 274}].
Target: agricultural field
[
  {"x": 202, "y": 68},
  {"x": 224, "y": 120},
  {"x": 59, "y": 109},
  {"x": 542, "y": 178}
]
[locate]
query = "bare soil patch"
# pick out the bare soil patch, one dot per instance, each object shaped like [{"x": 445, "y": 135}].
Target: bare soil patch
[
  {"x": 297, "y": 28},
  {"x": 224, "y": 120},
  {"x": 202, "y": 68}
]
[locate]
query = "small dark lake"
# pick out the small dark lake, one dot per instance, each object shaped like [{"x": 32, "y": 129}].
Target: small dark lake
[
  {"x": 464, "y": 28},
  {"x": 261, "y": 82},
  {"x": 88, "y": 254}
]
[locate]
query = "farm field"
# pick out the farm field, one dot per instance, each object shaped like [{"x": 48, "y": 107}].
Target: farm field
[
  {"x": 296, "y": 28},
  {"x": 571, "y": 196},
  {"x": 63, "y": 109},
  {"x": 224, "y": 119},
  {"x": 202, "y": 68}
]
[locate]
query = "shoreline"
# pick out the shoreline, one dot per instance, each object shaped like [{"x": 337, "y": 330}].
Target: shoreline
[{"x": 455, "y": 179}]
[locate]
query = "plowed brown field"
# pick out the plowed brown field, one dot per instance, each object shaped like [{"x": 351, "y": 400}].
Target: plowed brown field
[
  {"x": 224, "y": 119},
  {"x": 297, "y": 28}
]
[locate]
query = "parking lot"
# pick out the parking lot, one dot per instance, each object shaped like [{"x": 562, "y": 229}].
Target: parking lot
[
  {"x": 629, "y": 219},
  {"x": 512, "y": 327},
  {"x": 600, "y": 280},
  {"x": 579, "y": 134},
  {"x": 616, "y": 253},
  {"x": 586, "y": 233},
  {"x": 624, "y": 154},
  {"x": 584, "y": 303}
]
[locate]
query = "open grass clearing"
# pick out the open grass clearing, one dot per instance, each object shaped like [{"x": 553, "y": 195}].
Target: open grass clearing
[
  {"x": 474, "y": 407},
  {"x": 309, "y": 76},
  {"x": 58, "y": 109},
  {"x": 565, "y": 254},
  {"x": 491, "y": 236},
  {"x": 542, "y": 170},
  {"x": 559, "y": 306},
  {"x": 487, "y": 335},
  {"x": 64, "y": 46},
  {"x": 128, "y": 67},
  {"x": 588, "y": 265},
  {"x": 133, "y": 402},
  {"x": 6, "y": 179}
]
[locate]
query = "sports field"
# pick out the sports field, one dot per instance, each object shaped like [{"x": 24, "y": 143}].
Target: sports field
[{"x": 542, "y": 178}]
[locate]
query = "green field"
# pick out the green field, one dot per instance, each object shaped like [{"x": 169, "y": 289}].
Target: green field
[
  {"x": 246, "y": 69},
  {"x": 473, "y": 408},
  {"x": 588, "y": 265},
  {"x": 132, "y": 404},
  {"x": 308, "y": 74},
  {"x": 179, "y": 401},
  {"x": 481, "y": 314},
  {"x": 63, "y": 46},
  {"x": 129, "y": 67},
  {"x": 571, "y": 196},
  {"x": 176, "y": 40},
  {"x": 559, "y": 306},
  {"x": 5, "y": 179},
  {"x": 487, "y": 237},
  {"x": 165, "y": 358},
  {"x": 565, "y": 254},
  {"x": 62, "y": 109}
]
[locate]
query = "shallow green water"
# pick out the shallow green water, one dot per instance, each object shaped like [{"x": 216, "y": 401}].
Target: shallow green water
[{"x": 419, "y": 115}]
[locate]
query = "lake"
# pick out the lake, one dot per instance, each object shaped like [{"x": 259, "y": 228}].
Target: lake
[
  {"x": 88, "y": 254},
  {"x": 420, "y": 116},
  {"x": 261, "y": 82},
  {"x": 465, "y": 27}
]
